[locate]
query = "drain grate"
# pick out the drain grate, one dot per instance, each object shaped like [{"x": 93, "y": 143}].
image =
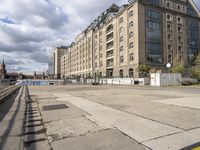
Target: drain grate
[{"x": 54, "y": 107}]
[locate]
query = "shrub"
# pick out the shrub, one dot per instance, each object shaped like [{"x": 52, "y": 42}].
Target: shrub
[
  {"x": 196, "y": 68},
  {"x": 178, "y": 67},
  {"x": 143, "y": 70}
]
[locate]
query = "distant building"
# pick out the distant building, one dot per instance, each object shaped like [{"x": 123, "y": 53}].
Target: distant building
[
  {"x": 13, "y": 76},
  {"x": 152, "y": 32},
  {"x": 40, "y": 76},
  {"x": 3, "y": 70},
  {"x": 57, "y": 54}
]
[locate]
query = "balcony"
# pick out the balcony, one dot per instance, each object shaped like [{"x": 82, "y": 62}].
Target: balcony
[
  {"x": 109, "y": 29},
  {"x": 110, "y": 63},
  {"x": 109, "y": 38},
  {"x": 109, "y": 55},
  {"x": 109, "y": 45}
]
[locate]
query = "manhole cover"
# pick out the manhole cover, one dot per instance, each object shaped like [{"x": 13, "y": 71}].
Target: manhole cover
[{"x": 54, "y": 107}]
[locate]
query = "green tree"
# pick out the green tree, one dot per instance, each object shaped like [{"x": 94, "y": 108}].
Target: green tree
[
  {"x": 178, "y": 67},
  {"x": 143, "y": 70},
  {"x": 196, "y": 68}
]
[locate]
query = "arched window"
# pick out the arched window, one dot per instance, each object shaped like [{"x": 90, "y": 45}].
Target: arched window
[
  {"x": 121, "y": 74},
  {"x": 130, "y": 34},
  {"x": 131, "y": 56},
  {"x": 131, "y": 13},
  {"x": 109, "y": 28},
  {"x": 131, "y": 24},
  {"x": 131, "y": 74},
  {"x": 131, "y": 45},
  {"x": 121, "y": 48}
]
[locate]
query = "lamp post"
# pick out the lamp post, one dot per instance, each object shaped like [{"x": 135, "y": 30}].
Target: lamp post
[{"x": 168, "y": 65}]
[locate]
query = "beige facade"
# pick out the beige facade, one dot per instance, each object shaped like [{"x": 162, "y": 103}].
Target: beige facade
[
  {"x": 57, "y": 55},
  {"x": 152, "y": 32}
]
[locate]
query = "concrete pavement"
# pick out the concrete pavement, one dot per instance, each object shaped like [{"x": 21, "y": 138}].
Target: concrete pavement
[{"x": 138, "y": 117}]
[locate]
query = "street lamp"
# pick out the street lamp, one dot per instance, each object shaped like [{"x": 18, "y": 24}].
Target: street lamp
[{"x": 168, "y": 65}]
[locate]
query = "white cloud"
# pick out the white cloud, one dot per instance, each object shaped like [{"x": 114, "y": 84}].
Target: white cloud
[{"x": 29, "y": 27}]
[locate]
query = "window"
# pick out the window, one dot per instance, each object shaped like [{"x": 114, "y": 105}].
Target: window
[
  {"x": 121, "y": 48},
  {"x": 131, "y": 24},
  {"x": 168, "y": 5},
  {"x": 131, "y": 57},
  {"x": 131, "y": 74},
  {"x": 130, "y": 34},
  {"x": 109, "y": 29},
  {"x": 180, "y": 49},
  {"x": 131, "y": 13},
  {"x": 131, "y": 45},
  {"x": 169, "y": 37},
  {"x": 168, "y": 17},
  {"x": 121, "y": 20},
  {"x": 155, "y": 2},
  {"x": 121, "y": 39},
  {"x": 169, "y": 27},
  {"x": 121, "y": 74},
  {"x": 193, "y": 38},
  {"x": 179, "y": 19},
  {"x": 179, "y": 38},
  {"x": 178, "y": 7},
  {"x": 121, "y": 29},
  {"x": 101, "y": 55},
  {"x": 121, "y": 59},
  {"x": 169, "y": 58},
  {"x": 154, "y": 50},
  {"x": 169, "y": 47},
  {"x": 179, "y": 29},
  {"x": 153, "y": 14},
  {"x": 191, "y": 11}
]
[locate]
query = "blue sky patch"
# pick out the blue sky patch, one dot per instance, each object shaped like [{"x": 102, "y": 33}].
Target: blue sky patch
[{"x": 7, "y": 20}]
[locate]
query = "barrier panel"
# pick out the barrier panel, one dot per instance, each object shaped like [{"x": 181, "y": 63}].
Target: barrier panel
[
  {"x": 113, "y": 81},
  {"x": 4, "y": 83}
]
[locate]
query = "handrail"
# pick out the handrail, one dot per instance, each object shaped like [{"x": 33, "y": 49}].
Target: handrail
[{"x": 7, "y": 91}]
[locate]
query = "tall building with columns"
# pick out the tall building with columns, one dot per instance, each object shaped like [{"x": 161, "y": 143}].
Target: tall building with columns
[{"x": 152, "y": 32}]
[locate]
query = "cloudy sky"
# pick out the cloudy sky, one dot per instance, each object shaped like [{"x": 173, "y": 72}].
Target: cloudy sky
[{"x": 30, "y": 29}]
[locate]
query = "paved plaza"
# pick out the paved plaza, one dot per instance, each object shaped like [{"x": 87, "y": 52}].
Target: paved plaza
[
  {"x": 120, "y": 117},
  {"x": 101, "y": 118}
]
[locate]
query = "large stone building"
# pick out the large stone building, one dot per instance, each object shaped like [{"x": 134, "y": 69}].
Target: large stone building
[
  {"x": 152, "y": 32},
  {"x": 56, "y": 56}
]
